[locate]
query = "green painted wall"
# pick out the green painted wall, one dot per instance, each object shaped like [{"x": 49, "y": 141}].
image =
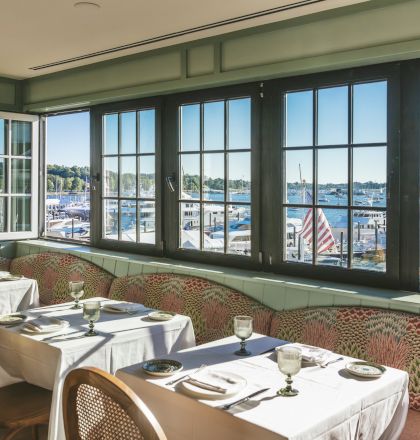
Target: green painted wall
[
  {"x": 276, "y": 291},
  {"x": 10, "y": 95},
  {"x": 368, "y": 33}
]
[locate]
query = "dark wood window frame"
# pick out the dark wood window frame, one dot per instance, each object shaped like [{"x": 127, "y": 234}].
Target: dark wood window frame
[{"x": 403, "y": 174}]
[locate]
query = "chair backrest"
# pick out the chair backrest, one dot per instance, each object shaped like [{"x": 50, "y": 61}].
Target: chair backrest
[{"x": 97, "y": 405}]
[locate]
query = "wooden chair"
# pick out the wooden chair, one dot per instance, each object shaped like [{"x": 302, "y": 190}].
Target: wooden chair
[
  {"x": 97, "y": 405},
  {"x": 23, "y": 406}
]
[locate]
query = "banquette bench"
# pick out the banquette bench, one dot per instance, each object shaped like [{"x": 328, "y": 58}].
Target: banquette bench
[{"x": 384, "y": 336}]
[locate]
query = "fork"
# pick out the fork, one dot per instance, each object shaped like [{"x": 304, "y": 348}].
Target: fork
[{"x": 185, "y": 376}]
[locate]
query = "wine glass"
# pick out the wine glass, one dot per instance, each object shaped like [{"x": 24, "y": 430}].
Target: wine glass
[
  {"x": 243, "y": 330},
  {"x": 289, "y": 361},
  {"x": 91, "y": 313},
  {"x": 76, "y": 291}
]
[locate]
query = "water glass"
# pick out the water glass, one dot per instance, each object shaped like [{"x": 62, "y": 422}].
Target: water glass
[
  {"x": 289, "y": 361},
  {"x": 76, "y": 289},
  {"x": 243, "y": 330},
  {"x": 91, "y": 313}
]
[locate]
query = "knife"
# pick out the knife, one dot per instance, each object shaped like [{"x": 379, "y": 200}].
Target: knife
[{"x": 244, "y": 399}]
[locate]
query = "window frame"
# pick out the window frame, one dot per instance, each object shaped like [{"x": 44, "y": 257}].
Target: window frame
[
  {"x": 97, "y": 223},
  {"x": 273, "y": 141},
  {"x": 171, "y": 170},
  {"x": 34, "y": 194}
]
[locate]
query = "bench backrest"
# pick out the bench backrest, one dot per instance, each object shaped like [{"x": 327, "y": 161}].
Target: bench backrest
[{"x": 53, "y": 271}]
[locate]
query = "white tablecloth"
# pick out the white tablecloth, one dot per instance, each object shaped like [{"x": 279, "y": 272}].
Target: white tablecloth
[
  {"x": 331, "y": 405},
  {"x": 124, "y": 340},
  {"x": 18, "y": 295}
]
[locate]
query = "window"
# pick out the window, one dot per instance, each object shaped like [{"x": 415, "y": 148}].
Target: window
[
  {"x": 67, "y": 202},
  {"x": 129, "y": 176},
  {"x": 18, "y": 176},
  {"x": 214, "y": 159},
  {"x": 335, "y": 175}
]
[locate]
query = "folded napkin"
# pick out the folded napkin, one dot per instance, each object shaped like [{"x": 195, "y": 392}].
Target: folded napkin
[
  {"x": 213, "y": 381},
  {"x": 312, "y": 354},
  {"x": 45, "y": 323},
  {"x": 124, "y": 307}
]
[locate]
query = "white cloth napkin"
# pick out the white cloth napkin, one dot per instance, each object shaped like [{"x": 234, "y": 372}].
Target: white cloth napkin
[
  {"x": 312, "y": 354},
  {"x": 213, "y": 381},
  {"x": 124, "y": 307},
  {"x": 45, "y": 323}
]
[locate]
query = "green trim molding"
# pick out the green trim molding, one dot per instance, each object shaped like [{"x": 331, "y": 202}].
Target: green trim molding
[
  {"x": 363, "y": 34},
  {"x": 276, "y": 291},
  {"x": 10, "y": 95}
]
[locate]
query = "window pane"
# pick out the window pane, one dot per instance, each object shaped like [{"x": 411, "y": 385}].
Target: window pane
[
  {"x": 190, "y": 127},
  {"x": 370, "y": 112},
  {"x": 214, "y": 177},
  {"x": 369, "y": 240},
  {"x": 147, "y": 176},
  {"x": 147, "y": 222},
  {"x": 332, "y": 235},
  {"x": 111, "y": 176},
  {"x": 3, "y": 175},
  {"x": 128, "y": 133},
  {"x": 214, "y": 125},
  {"x": 3, "y": 214},
  {"x": 214, "y": 224},
  {"x": 369, "y": 176},
  {"x": 110, "y": 144},
  {"x": 3, "y": 136},
  {"x": 128, "y": 220},
  {"x": 298, "y": 235},
  {"x": 111, "y": 219},
  {"x": 68, "y": 176},
  {"x": 147, "y": 131},
  {"x": 299, "y": 119},
  {"x": 189, "y": 226},
  {"x": 20, "y": 215},
  {"x": 299, "y": 176},
  {"x": 190, "y": 176},
  {"x": 128, "y": 176},
  {"x": 239, "y": 172},
  {"x": 239, "y": 120},
  {"x": 333, "y": 176},
  {"x": 21, "y": 138},
  {"x": 239, "y": 231},
  {"x": 333, "y": 116},
  {"x": 21, "y": 176}
]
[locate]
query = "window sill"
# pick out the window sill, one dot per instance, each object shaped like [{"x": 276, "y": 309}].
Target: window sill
[{"x": 276, "y": 291}]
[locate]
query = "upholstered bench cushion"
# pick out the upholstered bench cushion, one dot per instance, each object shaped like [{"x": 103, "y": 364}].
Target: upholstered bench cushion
[
  {"x": 210, "y": 305},
  {"x": 53, "y": 271},
  {"x": 5, "y": 263},
  {"x": 384, "y": 336}
]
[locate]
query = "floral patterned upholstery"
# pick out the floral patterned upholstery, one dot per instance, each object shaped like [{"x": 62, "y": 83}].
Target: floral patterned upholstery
[
  {"x": 210, "y": 305},
  {"x": 384, "y": 336},
  {"x": 53, "y": 271},
  {"x": 5, "y": 263}
]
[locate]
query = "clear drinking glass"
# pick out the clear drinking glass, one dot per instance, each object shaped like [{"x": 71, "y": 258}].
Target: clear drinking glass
[
  {"x": 76, "y": 291},
  {"x": 289, "y": 361},
  {"x": 243, "y": 330},
  {"x": 91, "y": 313}
]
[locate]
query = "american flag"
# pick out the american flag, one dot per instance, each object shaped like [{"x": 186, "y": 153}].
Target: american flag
[{"x": 325, "y": 235}]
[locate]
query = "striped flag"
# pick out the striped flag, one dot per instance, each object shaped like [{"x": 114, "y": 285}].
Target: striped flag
[{"x": 325, "y": 235}]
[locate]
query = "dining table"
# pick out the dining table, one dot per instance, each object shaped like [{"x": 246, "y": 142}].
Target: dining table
[
  {"x": 123, "y": 339},
  {"x": 331, "y": 404},
  {"x": 17, "y": 293}
]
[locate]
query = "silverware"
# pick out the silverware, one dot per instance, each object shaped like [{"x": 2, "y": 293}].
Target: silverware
[
  {"x": 185, "y": 376},
  {"x": 331, "y": 362},
  {"x": 269, "y": 350},
  {"x": 244, "y": 399}
]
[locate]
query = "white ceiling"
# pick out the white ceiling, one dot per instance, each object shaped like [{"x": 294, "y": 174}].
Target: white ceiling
[{"x": 38, "y": 32}]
